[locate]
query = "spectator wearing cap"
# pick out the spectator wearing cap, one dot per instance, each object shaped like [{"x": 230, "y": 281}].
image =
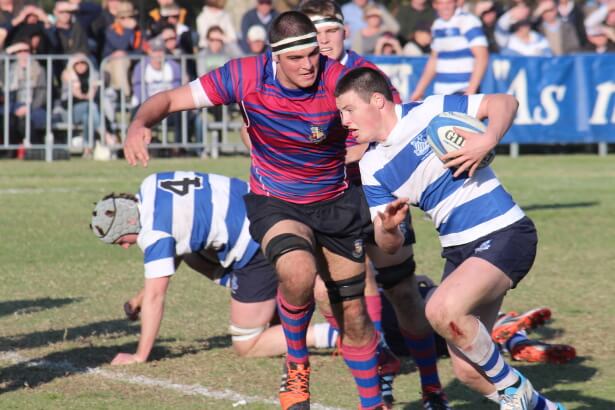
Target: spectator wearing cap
[
  {"x": 411, "y": 14},
  {"x": 27, "y": 90},
  {"x": 420, "y": 41},
  {"x": 213, "y": 14},
  {"x": 459, "y": 53},
  {"x": 154, "y": 74},
  {"x": 487, "y": 12},
  {"x": 261, "y": 15},
  {"x": 364, "y": 40},
  {"x": 561, "y": 35},
  {"x": 66, "y": 35},
  {"x": 256, "y": 39},
  {"x": 354, "y": 18}
]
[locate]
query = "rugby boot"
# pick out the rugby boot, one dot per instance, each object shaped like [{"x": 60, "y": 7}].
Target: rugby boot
[
  {"x": 540, "y": 352},
  {"x": 435, "y": 400},
  {"x": 294, "y": 391},
  {"x": 510, "y": 323}
]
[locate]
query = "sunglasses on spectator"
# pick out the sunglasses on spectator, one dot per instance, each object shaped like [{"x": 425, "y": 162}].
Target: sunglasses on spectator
[
  {"x": 170, "y": 39},
  {"x": 215, "y": 39}
]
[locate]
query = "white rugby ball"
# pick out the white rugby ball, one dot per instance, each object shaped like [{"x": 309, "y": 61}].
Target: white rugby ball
[{"x": 443, "y": 139}]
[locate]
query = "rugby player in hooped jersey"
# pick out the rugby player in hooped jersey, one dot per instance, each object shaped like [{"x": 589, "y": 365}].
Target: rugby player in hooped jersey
[
  {"x": 395, "y": 272},
  {"x": 488, "y": 242},
  {"x": 301, "y": 207}
]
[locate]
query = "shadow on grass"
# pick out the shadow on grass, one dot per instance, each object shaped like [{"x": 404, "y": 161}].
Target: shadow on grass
[
  {"x": 546, "y": 378},
  {"x": 23, "y": 307},
  {"x": 108, "y": 329},
  {"x": 538, "y": 207}
]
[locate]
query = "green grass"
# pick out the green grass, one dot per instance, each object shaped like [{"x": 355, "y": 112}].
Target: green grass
[{"x": 62, "y": 292}]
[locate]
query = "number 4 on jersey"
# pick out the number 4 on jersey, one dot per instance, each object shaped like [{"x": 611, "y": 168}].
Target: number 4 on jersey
[{"x": 181, "y": 186}]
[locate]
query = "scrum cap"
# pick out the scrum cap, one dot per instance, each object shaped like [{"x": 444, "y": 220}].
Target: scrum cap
[{"x": 114, "y": 216}]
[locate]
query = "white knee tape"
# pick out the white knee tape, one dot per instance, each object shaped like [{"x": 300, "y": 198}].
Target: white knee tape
[{"x": 241, "y": 334}]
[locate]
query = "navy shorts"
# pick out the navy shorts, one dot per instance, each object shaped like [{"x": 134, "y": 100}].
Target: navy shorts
[
  {"x": 338, "y": 224},
  {"x": 511, "y": 249},
  {"x": 255, "y": 282}
]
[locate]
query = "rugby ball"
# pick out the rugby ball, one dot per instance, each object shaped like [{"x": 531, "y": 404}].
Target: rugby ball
[{"x": 443, "y": 139}]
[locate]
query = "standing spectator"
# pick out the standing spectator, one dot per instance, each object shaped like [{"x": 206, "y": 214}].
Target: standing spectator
[
  {"x": 387, "y": 45},
  {"x": 185, "y": 37},
  {"x": 213, "y": 14},
  {"x": 411, "y": 14},
  {"x": 459, "y": 53},
  {"x": 487, "y": 12},
  {"x": 420, "y": 41},
  {"x": 88, "y": 15},
  {"x": 353, "y": 12},
  {"x": 121, "y": 38},
  {"x": 571, "y": 12},
  {"x": 67, "y": 36},
  {"x": 216, "y": 51},
  {"x": 561, "y": 35},
  {"x": 26, "y": 92},
  {"x": 153, "y": 75},
  {"x": 30, "y": 25},
  {"x": 601, "y": 39},
  {"x": 526, "y": 42},
  {"x": 262, "y": 15},
  {"x": 257, "y": 40},
  {"x": 80, "y": 79}
]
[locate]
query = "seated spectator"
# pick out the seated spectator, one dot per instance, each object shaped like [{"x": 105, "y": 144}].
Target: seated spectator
[
  {"x": 262, "y": 15},
  {"x": 364, "y": 41},
  {"x": 387, "y": 45},
  {"x": 155, "y": 74},
  {"x": 156, "y": 14},
  {"x": 354, "y": 13},
  {"x": 256, "y": 39},
  {"x": 89, "y": 16},
  {"x": 213, "y": 14},
  {"x": 412, "y": 14},
  {"x": 66, "y": 35},
  {"x": 121, "y": 38},
  {"x": 420, "y": 41},
  {"x": 80, "y": 80},
  {"x": 487, "y": 12},
  {"x": 603, "y": 15},
  {"x": 561, "y": 35},
  {"x": 26, "y": 92},
  {"x": 526, "y": 42},
  {"x": 216, "y": 51},
  {"x": 185, "y": 37},
  {"x": 601, "y": 39},
  {"x": 30, "y": 26}
]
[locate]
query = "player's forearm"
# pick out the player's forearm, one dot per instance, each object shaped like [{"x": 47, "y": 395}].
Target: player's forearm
[
  {"x": 153, "y": 110},
  {"x": 428, "y": 75},
  {"x": 152, "y": 312},
  {"x": 500, "y": 110}
]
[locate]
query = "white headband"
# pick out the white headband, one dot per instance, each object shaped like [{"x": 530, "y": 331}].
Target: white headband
[
  {"x": 294, "y": 43},
  {"x": 320, "y": 21}
]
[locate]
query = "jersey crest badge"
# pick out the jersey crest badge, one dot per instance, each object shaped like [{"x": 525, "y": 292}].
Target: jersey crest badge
[
  {"x": 357, "y": 252},
  {"x": 317, "y": 135}
]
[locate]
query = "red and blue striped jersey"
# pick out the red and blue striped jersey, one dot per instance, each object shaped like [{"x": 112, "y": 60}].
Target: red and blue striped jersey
[{"x": 298, "y": 142}]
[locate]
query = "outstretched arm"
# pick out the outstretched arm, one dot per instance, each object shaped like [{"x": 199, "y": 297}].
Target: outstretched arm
[
  {"x": 152, "y": 311},
  {"x": 151, "y": 112}
]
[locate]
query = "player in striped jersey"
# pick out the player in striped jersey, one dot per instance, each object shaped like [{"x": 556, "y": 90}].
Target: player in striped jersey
[
  {"x": 459, "y": 53},
  {"x": 395, "y": 272},
  {"x": 199, "y": 219},
  {"x": 488, "y": 242},
  {"x": 301, "y": 208}
]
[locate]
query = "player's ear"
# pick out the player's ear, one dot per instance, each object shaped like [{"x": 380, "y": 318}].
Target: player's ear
[
  {"x": 378, "y": 100},
  {"x": 346, "y": 31},
  {"x": 276, "y": 58}
]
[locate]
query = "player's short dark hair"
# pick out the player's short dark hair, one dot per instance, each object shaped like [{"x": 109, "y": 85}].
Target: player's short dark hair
[
  {"x": 325, "y": 8},
  {"x": 364, "y": 81},
  {"x": 290, "y": 24}
]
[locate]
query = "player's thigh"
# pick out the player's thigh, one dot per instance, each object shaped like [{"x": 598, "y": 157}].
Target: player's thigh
[
  {"x": 381, "y": 259},
  {"x": 340, "y": 267},
  {"x": 480, "y": 282},
  {"x": 252, "y": 315}
]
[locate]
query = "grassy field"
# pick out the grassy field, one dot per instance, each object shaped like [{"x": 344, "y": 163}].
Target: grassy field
[{"x": 61, "y": 320}]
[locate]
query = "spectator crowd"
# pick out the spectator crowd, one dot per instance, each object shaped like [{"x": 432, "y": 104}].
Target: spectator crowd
[{"x": 99, "y": 41}]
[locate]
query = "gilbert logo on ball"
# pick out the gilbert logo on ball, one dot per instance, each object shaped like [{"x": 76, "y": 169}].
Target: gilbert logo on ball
[{"x": 443, "y": 139}]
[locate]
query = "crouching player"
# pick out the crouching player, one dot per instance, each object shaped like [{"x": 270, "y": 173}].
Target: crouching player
[
  {"x": 488, "y": 242},
  {"x": 199, "y": 219}
]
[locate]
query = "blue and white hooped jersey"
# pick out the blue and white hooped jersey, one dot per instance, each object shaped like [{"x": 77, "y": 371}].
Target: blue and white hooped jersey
[
  {"x": 463, "y": 209},
  {"x": 185, "y": 212},
  {"x": 453, "y": 40}
]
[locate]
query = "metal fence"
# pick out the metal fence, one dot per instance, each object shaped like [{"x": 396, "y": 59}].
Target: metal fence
[{"x": 111, "y": 106}]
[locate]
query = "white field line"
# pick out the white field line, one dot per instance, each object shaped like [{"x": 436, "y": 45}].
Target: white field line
[{"x": 238, "y": 399}]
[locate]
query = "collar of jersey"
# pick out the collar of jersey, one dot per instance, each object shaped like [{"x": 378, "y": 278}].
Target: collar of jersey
[{"x": 397, "y": 132}]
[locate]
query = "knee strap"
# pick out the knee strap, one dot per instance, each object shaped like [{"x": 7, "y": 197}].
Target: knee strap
[
  {"x": 346, "y": 289},
  {"x": 391, "y": 275},
  {"x": 241, "y": 334},
  {"x": 284, "y": 243}
]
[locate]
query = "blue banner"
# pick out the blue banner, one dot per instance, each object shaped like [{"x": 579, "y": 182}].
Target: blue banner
[{"x": 569, "y": 99}]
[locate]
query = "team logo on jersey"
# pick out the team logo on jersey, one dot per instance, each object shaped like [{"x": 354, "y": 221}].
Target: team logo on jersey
[
  {"x": 420, "y": 145},
  {"x": 234, "y": 284},
  {"x": 357, "y": 252},
  {"x": 317, "y": 135}
]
